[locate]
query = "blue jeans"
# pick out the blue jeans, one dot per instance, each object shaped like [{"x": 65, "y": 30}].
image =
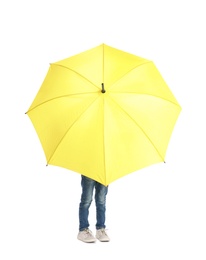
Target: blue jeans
[{"x": 88, "y": 186}]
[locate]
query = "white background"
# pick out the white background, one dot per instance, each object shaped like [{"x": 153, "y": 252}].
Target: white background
[{"x": 156, "y": 213}]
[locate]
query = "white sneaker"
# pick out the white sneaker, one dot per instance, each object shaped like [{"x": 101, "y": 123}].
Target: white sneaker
[
  {"x": 101, "y": 235},
  {"x": 86, "y": 236}
]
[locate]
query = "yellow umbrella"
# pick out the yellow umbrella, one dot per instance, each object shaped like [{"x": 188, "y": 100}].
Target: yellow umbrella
[{"x": 104, "y": 113}]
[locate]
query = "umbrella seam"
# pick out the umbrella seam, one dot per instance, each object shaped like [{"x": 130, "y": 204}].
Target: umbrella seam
[
  {"x": 139, "y": 128},
  {"x": 59, "y": 97},
  {"x": 104, "y": 141},
  {"x": 103, "y": 53},
  {"x": 155, "y": 96},
  {"x": 56, "y": 64},
  {"x": 146, "y": 62},
  {"x": 69, "y": 129}
]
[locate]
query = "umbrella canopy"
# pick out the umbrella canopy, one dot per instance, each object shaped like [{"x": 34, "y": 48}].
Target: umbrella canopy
[{"x": 104, "y": 113}]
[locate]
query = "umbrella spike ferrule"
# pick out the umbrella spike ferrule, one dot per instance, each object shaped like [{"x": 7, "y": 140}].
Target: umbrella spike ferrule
[{"x": 103, "y": 89}]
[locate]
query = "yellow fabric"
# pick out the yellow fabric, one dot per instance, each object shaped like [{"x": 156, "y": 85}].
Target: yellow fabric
[{"x": 104, "y": 136}]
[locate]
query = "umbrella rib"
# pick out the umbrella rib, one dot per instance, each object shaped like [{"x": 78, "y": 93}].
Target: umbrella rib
[
  {"x": 75, "y": 73},
  {"x": 139, "y": 128},
  {"x": 49, "y": 100},
  {"x": 70, "y": 128}
]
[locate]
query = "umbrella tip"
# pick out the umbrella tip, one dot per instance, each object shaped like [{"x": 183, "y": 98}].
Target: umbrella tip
[{"x": 103, "y": 89}]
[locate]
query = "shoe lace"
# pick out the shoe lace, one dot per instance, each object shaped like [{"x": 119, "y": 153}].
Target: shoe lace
[
  {"x": 87, "y": 231},
  {"x": 103, "y": 231}
]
